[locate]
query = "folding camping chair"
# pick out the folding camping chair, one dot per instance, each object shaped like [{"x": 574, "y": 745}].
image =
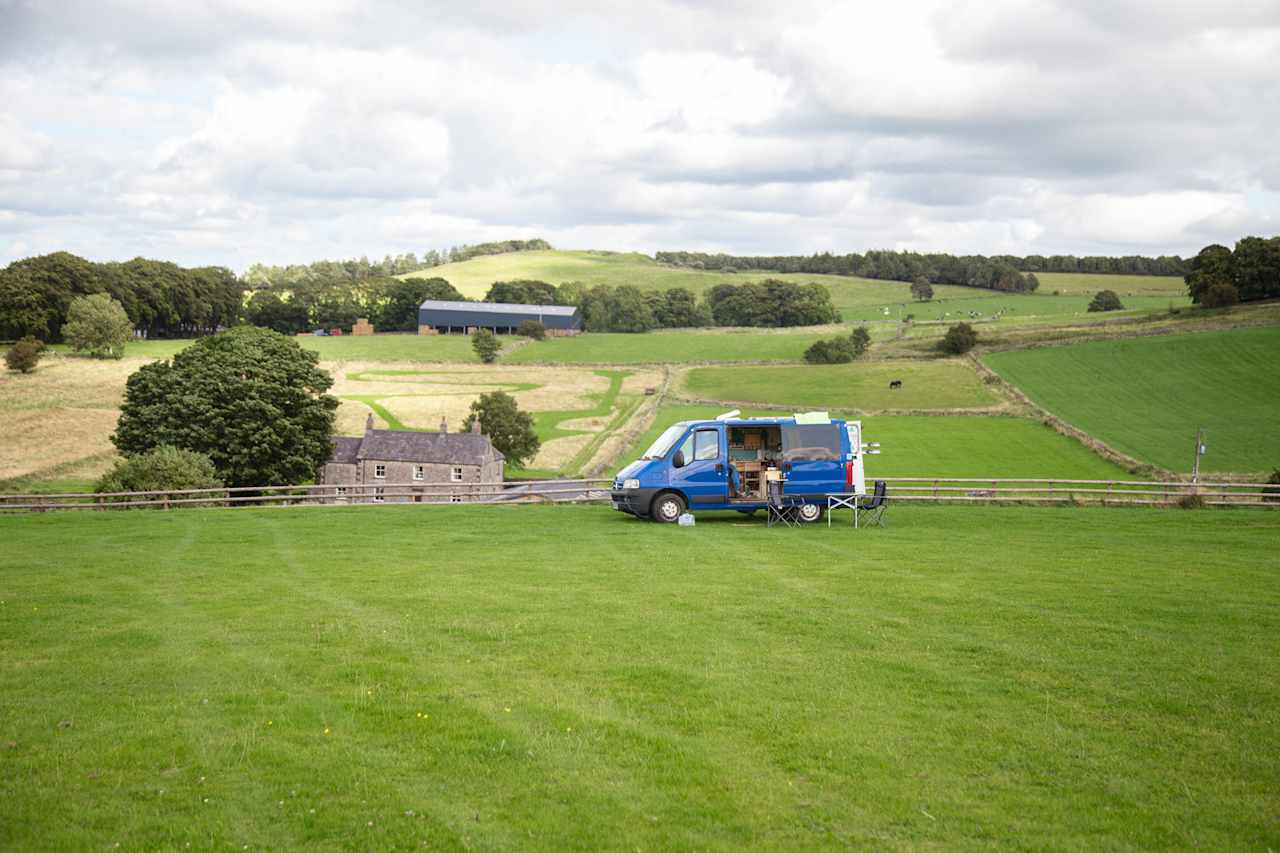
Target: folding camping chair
[
  {"x": 874, "y": 508},
  {"x": 780, "y": 510}
]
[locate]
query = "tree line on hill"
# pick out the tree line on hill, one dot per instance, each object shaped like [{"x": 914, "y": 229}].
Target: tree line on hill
[
  {"x": 998, "y": 272},
  {"x": 626, "y": 308}
]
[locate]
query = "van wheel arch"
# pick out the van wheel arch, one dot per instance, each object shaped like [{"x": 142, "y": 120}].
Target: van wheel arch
[{"x": 665, "y": 515}]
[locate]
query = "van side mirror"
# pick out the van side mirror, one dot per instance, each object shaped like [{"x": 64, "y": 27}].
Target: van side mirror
[{"x": 678, "y": 460}]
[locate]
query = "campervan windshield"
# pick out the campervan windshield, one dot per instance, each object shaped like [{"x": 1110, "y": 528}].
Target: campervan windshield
[{"x": 660, "y": 447}]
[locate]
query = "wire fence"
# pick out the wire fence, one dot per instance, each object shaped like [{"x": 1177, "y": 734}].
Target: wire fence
[{"x": 915, "y": 489}]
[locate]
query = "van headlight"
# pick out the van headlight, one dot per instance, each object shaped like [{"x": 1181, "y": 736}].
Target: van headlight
[{"x": 630, "y": 484}]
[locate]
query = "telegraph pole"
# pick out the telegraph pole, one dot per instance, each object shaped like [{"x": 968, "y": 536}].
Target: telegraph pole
[{"x": 1195, "y": 463}]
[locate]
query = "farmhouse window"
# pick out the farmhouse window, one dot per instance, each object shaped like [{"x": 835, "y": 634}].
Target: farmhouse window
[
  {"x": 456, "y": 474},
  {"x": 380, "y": 472},
  {"x": 455, "y": 499},
  {"x": 341, "y": 490},
  {"x": 378, "y": 495},
  {"x": 419, "y": 471}
]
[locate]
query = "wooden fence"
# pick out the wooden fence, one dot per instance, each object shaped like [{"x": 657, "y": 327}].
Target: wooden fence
[
  {"x": 1104, "y": 492},
  {"x": 933, "y": 489}
]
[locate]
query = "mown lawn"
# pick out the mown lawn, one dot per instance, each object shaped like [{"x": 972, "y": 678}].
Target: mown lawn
[
  {"x": 941, "y": 446},
  {"x": 1147, "y": 396},
  {"x": 551, "y": 678},
  {"x": 951, "y": 384}
]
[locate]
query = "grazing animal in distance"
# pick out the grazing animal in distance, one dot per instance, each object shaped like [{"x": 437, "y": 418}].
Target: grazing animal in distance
[{"x": 895, "y": 385}]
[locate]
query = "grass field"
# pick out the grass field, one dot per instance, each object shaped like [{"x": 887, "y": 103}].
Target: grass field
[
  {"x": 425, "y": 348},
  {"x": 1014, "y": 678},
  {"x": 941, "y": 446},
  {"x": 671, "y": 347},
  {"x": 1147, "y": 396},
  {"x": 1124, "y": 285},
  {"x": 862, "y": 386}
]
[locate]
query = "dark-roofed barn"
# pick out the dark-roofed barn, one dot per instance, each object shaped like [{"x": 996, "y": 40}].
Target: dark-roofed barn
[
  {"x": 399, "y": 465},
  {"x": 444, "y": 317}
]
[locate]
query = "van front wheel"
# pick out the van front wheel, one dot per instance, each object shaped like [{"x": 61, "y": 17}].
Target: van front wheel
[
  {"x": 667, "y": 508},
  {"x": 809, "y": 513}
]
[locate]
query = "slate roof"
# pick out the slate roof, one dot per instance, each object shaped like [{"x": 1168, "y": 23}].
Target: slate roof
[
  {"x": 345, "y": 450},
  {"x": 498, "y": 308},
  {"x": 456, "y": 448}
]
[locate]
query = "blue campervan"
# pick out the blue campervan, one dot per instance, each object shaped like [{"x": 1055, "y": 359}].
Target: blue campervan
[{"x": 742, "y": 463}]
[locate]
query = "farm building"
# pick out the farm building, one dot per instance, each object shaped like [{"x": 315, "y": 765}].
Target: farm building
[
  {"x": 409, "y": 462},
  {"x": 444, "y": 317}
]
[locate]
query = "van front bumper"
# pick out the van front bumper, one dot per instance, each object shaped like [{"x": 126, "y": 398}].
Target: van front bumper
[{"x": 634, "y": 501}]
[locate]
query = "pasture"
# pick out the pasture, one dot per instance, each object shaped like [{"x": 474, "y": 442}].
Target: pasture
[
  {"x": 968, "y": 677},
  {"x": 409, "y": 347},
  {"x": 860, "y": 386},
  {"x": 672, "y": 347},
  {"x": 1147, "y": 396},
  {"x": 1125, "y": 285},
  {"x": 940, "y": 446}
]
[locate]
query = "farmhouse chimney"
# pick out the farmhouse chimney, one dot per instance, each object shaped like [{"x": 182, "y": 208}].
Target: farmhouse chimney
[
  {"x": 368, "y": 423},
  {"x": 475, "y": 425},
  {"x": 444, "y": 424}
]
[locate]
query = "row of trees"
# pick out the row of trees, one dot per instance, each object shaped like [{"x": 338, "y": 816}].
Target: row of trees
[
  {"x": 391, "y": 304},
  {"x": 1220, "y": 276},
  {"x": 160, "y": 298},
  {"x": 356, "y": 270},
  {"x": 940, "y": 268}
]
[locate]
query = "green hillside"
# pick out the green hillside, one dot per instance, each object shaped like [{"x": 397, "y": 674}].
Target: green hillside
[
  {"x": 942, "y": 446},
  {"x": 857, "y": 298},
  {"x": 1147, "y": 396}
]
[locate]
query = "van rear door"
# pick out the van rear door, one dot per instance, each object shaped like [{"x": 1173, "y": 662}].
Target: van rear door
[{"x": 813, "y": 459}]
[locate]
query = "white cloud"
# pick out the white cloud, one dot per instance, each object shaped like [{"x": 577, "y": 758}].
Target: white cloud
[{"x": 229, "y": 131}]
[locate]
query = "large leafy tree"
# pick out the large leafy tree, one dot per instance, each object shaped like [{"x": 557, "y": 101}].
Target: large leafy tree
[
  {"x": 250, "y": 399},
  {"x": 98, "y": 325},
  {"x": 1214, "y": 265},
  {"x": 510, "y": 429},
  {"x": 403, "y": 297}
]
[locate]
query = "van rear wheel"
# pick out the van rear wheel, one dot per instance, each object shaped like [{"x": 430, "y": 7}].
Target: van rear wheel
[
  {"x": 667, "y": 508},
  {"x": 809, "y": 513}
]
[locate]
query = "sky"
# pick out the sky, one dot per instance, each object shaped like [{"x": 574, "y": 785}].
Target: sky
[{"x": 239, "y": 131}]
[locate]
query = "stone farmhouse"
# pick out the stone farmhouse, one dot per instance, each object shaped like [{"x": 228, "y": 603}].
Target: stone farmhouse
[{"x": 398, "y": 467}]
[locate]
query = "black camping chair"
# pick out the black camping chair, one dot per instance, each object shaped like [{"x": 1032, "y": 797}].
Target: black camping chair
[
  {"x": 873, "y": 509},
  {"x": 779, "y": 508}
]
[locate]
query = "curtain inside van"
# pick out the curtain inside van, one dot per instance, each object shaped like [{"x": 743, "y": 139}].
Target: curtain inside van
[{"x": 816, "y": 441}]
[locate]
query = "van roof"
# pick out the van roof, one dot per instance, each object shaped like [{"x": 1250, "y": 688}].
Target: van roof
[{"x": 779, "y": 420}]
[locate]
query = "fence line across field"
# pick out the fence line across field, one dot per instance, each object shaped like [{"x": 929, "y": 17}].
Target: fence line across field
[{"x": 923, "y": 489}]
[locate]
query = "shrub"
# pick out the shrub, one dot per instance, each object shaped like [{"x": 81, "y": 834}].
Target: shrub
[
  {"x": 839, "y": 350},
  {"x": 24, "y": 355},
  {"x": 1272, "y": 490},
  {"x": 486, "y": 345},
  {"x": 531, "y": 329},
  {"x": 160, "y": 469},
  {"x": 1191, "y": 502},
  {"x": 959, "y": 339},
  {"x": 98, "y": 325},
  {"x": 1106, "y": 300},
  {"x": 1220, "y": 295}
]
